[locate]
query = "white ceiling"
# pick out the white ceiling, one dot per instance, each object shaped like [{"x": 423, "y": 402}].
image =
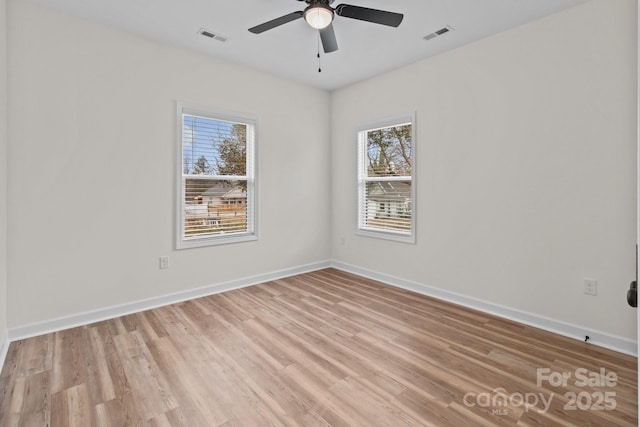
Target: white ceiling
[{"x": 289, "y": 51}]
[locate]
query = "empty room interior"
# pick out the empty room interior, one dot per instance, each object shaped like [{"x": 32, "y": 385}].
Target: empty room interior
[{"x": 306, "y": 213}]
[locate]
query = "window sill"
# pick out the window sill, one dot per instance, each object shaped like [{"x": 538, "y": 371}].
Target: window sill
[
  {"x": 388, "y": 235},
  {"x": 215, "y": 241}
]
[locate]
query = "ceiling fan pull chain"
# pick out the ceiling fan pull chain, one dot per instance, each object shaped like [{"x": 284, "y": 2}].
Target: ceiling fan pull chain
[{"x": 319, "y": 68}]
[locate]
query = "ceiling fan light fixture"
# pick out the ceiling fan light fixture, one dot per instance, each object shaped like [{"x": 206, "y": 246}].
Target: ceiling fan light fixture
[{"x": 318, "y": 16}]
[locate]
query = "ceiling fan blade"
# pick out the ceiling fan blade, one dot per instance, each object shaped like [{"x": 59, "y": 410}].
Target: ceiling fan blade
[
  {"x": 276, "y": 22},
  {"x": 376, "y": 16},
  {"x": 328, "y": 37}
]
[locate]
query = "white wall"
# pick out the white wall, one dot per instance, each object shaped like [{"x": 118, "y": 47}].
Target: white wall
[
  {"x": 526, "y": 167},
  {"x": 3, "y": 173},
  {"x": 91, "y": 178}
]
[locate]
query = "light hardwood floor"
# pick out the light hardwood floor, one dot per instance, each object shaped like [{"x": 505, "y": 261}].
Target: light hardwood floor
[{"x": 318, "y": 349}]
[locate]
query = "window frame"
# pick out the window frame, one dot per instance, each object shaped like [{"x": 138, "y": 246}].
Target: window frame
[
  {"x": 184, "y": 108},
  {"x": 363, "y": 179}
]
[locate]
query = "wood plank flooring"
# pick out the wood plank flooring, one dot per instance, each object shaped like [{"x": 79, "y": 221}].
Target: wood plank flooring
[{"x": 320, "y": 349}]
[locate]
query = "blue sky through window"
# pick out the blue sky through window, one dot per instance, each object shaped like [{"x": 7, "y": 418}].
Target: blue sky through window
[{"x": 201, "y": 138}]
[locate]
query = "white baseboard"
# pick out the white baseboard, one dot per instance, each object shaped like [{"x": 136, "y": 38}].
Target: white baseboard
[
  {"x": 4, "y": 349},
  {"x": 601, "y": 339},
  {"x": 87, "y": 317}
]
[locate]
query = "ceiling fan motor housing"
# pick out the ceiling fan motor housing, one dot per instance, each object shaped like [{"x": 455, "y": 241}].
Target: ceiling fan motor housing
[
  {"x": 318, "y": 15},
  {"x": 311, "y": 2}
]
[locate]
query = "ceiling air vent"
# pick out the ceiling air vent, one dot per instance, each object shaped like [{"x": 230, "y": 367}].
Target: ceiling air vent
[
  {"x": 212, "y": 35},
  {"x": 438, "y": 33}
]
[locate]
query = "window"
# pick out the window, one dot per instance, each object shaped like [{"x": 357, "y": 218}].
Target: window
[
  {"x": 386, "y": 170},
  {"x": 216, "y": 200}
]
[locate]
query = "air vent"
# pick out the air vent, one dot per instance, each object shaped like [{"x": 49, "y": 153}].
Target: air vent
[
  {"x": 212, "y": 35},
  {"x": 438, "y": 33}
]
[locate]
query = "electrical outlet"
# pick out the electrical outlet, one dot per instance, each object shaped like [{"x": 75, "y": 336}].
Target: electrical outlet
[
  {"x": 164, "y": 262},
  {"x": 590, "y": 286}
]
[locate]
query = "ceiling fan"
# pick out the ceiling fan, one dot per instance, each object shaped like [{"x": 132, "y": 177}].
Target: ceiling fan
[{"x": 319, "y": 15}]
